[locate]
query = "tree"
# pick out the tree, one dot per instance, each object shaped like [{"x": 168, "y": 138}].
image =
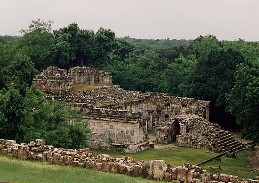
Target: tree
[
  {"x": 11, "y": 112},
  {"x": 105, "y": 43},
  {"x": 19, "y": 73},
  {"x": 243, "y": 101},
  {"x": 213, "y": 78},
  {"x": 36, "y": 43},
  {"x": 73, "y": 47},
  {"x": 204, "y": 45},
  {"x": 179, "y": 76},
  {"x": 52, "y": 121}
]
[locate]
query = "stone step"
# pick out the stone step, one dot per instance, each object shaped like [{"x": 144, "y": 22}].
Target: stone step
[
  {"x": 226, "y": 141},
  {"x": 233, "y": 146},
  {"x": 237, "y": 148},
  {"x": 224, "y": 136}
]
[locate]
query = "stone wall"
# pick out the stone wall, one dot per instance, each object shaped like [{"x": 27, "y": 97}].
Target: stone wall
[
  {"x": 84, "y": 158},
  {"x": 107, "y": 131},
  {"x": 55, "y": 80}
]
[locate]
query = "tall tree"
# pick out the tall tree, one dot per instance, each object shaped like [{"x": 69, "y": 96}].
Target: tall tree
[
  {"x": 212, "y": 79},
  {"x": 19, "y": 73},
  {"x": 73, "y": 47},
  {"x": 36, "y": 43},
  {"x": 243, "y": 101}
]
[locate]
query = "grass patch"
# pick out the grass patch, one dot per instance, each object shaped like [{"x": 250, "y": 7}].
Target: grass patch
[
  {"x": 239, "y": 166},
  {"x": 176, "y": 156},
  {"x": 13, "y": 170}
]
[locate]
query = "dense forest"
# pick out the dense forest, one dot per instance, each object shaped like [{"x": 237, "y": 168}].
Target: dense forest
[{"x": 223, "y": 72}]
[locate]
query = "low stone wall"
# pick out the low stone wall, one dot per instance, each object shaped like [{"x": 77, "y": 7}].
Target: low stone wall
[{"x": 84, "y": 158}]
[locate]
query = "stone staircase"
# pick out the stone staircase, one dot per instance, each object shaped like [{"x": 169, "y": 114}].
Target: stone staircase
[{"x": 225, "y": 142}]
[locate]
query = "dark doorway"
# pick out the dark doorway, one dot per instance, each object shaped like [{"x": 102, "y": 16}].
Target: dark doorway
[{"x": 175, "y": 130}]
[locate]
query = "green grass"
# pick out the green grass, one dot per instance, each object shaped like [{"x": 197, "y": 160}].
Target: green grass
[
  {"x": 13, "y": 170},
  {"x": 239, "y": 166},
  {"x": 176, "y": 156}
]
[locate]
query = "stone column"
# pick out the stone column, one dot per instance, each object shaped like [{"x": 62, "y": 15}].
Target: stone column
[{"x": 182, "y": 129}]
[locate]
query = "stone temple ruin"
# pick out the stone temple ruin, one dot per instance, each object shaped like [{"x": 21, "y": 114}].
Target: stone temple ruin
[{"x": 122, "y": 118}]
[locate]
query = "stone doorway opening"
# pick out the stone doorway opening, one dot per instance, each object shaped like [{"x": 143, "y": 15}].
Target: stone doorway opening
[{"x": 175, "y": 130}]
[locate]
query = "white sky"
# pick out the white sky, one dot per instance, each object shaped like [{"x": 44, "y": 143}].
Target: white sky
[{"x": 157, "y": 19}]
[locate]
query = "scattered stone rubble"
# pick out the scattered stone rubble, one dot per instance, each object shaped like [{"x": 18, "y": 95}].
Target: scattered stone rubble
[
  {"x": 121, "y": 117},
  {"x": 84, "y": 158}
]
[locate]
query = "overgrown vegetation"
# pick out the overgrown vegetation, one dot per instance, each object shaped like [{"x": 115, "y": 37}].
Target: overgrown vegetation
[{"x": 204, "y": 68}]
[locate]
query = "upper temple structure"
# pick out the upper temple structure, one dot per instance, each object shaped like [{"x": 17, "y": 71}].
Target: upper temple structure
[{"x": 122, "y": 118}]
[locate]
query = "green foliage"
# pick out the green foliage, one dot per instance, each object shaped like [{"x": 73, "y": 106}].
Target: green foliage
[
  {"x": 52, "y": 121},
  {"x": 11, "y": 113},
  {"x": 72, "y": 47},
  {"x": 19, "y": 73},
  {"x": 36, "y": 43},
  {"x": 6, "y": 39},
  {"x": 204, "y": 45},
  {"x": 244, "y": 101},
  {"x": 214, "y": 76}
]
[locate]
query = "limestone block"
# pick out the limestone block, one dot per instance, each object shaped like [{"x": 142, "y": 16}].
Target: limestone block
[
  {"x": 182, "y": 173},
  {"x": 114, "y": 167},
  {"x": 45, "y": 155},
  {"x": 98, "y": 166},
  {"x": 158, "y": 169},
  {"x": 147, "y": 169},
  {"x": 106, "y": 166},
  {"x": 174, "y": 173},
  {"x": 15, "y": 152},
  {"x": 233, "y": 178},
  {"x": 89, "y": 164},
  {"x": 136, "y": 170},
  {"x": 39, "y": 157},
  {"x": 75, "y": 163},
  {"x": 224, "y": 178},
  {"x": 168, "y": 177},
  {"x": 40, "y": 142},
  {"x": 215, "y": 177},
  {"x": 56, "y": 158},
  {"x": 190, "y": 175}
]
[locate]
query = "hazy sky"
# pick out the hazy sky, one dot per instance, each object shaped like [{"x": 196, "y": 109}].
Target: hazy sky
[{"x": 174, "y": 19}]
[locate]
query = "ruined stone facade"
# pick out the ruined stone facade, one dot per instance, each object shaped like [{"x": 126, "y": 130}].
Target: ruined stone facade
[
  {"x": 56, "y": 80},
  {"x": 118, "y": 116},
  {"x": 197, "y": 132},
  {"x": 84, "y": 158}
]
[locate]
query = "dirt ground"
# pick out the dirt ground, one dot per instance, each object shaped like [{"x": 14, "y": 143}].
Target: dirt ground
[{"x": 164, "y": 146}]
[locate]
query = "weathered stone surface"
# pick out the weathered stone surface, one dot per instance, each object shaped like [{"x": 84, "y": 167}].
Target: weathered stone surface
[
  {"x": 136, "y": 171},
  {"x": 224, "y": 178},
  {"x": 159, "y": 167}
]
